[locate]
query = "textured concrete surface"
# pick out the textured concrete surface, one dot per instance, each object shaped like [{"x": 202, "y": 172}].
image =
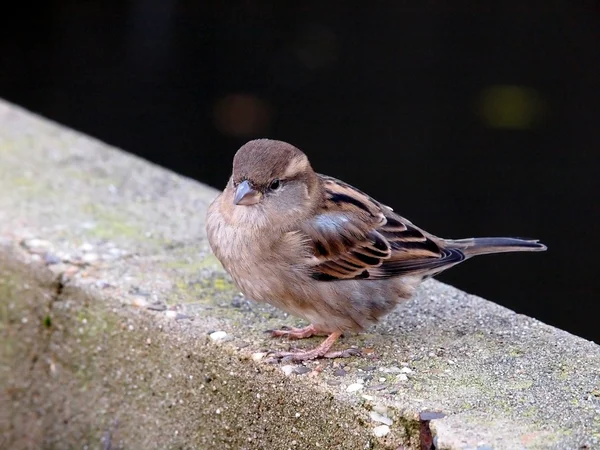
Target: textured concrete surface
[{"x": 118, "y": 329}]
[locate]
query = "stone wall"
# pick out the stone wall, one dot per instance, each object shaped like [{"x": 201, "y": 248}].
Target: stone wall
[{"x": 119, "y": 329}]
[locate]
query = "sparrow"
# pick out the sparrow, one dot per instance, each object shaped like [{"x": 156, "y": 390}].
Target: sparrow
[{"x": 321, "y": 249}]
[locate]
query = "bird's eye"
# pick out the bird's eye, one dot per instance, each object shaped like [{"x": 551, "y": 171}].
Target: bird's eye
[{"x": 275, "y": 184}]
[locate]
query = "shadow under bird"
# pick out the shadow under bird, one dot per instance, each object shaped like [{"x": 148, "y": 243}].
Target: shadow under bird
[{"x": 321, "y": 249}]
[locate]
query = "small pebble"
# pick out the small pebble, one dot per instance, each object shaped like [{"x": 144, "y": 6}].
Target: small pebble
[
  {"x": 51, "y": 259},
  {"x": 377, "y": 387},
  {"x": 382, "y": 379},
  {"x": 102, "y": 284},
  {"x": 156, "y": 306},
  {"x": 37, "y": 245},
  {"x": 381, "y": 430},
  {"x": 137, "y": 291},
  {"x": 339, "y": 373},
  {"x": 171, "y": 314},
  {"x": 288, "y": 369},
  {"x": 406, "y": 370},
  {"x": 218, "y": 335},
  {"x": 139, "y": 302},
  {"x": 301, "y": 370},
  {"x": 116, "y": 252},
  {"x": 431, "y": 415},
  {"x": 89, "y": 258},
  {"x": 381, "y": 409},
  {"x": 87, "y": 247},
  {"x": 354, "y": 387},
  {"x": 258, "y": 356},
  {"x": 376, "y": 417},
  {"x": 392, "y": 369},
  {"x": 334, "y": 382},
  {"x": 402, "y": 377}
]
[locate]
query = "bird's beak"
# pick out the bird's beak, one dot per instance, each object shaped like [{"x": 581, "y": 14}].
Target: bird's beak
[{"x": 245, "y": 194}]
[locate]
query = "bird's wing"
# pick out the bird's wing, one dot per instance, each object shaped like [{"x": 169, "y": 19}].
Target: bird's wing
[{"x": 355, "y": 237}]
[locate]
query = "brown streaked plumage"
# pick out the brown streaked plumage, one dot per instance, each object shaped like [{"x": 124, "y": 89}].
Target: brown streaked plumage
[{"x": 321, "y": 249}]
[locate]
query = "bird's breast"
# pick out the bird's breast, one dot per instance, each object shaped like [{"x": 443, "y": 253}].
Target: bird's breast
[{"x": 263, "y": 265}]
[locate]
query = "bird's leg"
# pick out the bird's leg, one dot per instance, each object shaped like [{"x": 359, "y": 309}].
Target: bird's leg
[
  {"x": 322, "y": 351},
  {"x": 298, "y": 333}
]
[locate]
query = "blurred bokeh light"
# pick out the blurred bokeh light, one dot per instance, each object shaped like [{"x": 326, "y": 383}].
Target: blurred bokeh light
[
  {"x": 512, "y": 107},
  {"x": 243, "y": 115}
]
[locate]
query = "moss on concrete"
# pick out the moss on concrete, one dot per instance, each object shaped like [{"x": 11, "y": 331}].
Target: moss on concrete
[{"x": 107, "y": 373}]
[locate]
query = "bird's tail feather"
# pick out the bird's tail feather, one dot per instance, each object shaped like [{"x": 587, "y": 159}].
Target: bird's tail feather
[{"x": 483, "y": 246}]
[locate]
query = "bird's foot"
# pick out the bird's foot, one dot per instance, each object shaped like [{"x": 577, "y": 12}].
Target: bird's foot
[
  {"x": 322, "y": 351},
  {"x": 298, "y": 333}
]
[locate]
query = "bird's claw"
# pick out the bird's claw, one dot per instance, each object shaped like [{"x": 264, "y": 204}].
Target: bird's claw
[
  {"x": 314, "y": 354},
  {"x": 295, "y": 333}
]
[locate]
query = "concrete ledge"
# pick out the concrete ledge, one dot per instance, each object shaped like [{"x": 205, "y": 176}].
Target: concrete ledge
[{"x": 109, "y": 300}]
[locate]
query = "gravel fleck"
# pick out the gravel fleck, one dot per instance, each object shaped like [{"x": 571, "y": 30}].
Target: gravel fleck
[
  {"x": 339, "y": 373},
  {"x": 381, "y": 430},
  {"x": 156, "y": 306},
  {"x": 87, "y": 247},
  {"x": 301, "y": 370},
  {"x": 218, "y": 335},
  {"x": 51, "y": 259},
  {"x": 288, "y": 369},
  {"x": 37, "y": 245},
  {"x": 431, "y": 415},
  {"x": 376, "y": 417},
  {"x": 355, "y": 387},
  {"x": 89, "y": 258}
]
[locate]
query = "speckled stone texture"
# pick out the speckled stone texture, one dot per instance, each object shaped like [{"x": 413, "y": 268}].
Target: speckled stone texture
[{"x": 119, "y": 329}]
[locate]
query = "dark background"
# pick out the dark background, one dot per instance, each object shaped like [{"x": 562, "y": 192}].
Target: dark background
[{"x": 469, "y": 121}]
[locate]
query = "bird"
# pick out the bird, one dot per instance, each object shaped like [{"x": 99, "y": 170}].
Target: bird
[{"x": 321, "y": 249}]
